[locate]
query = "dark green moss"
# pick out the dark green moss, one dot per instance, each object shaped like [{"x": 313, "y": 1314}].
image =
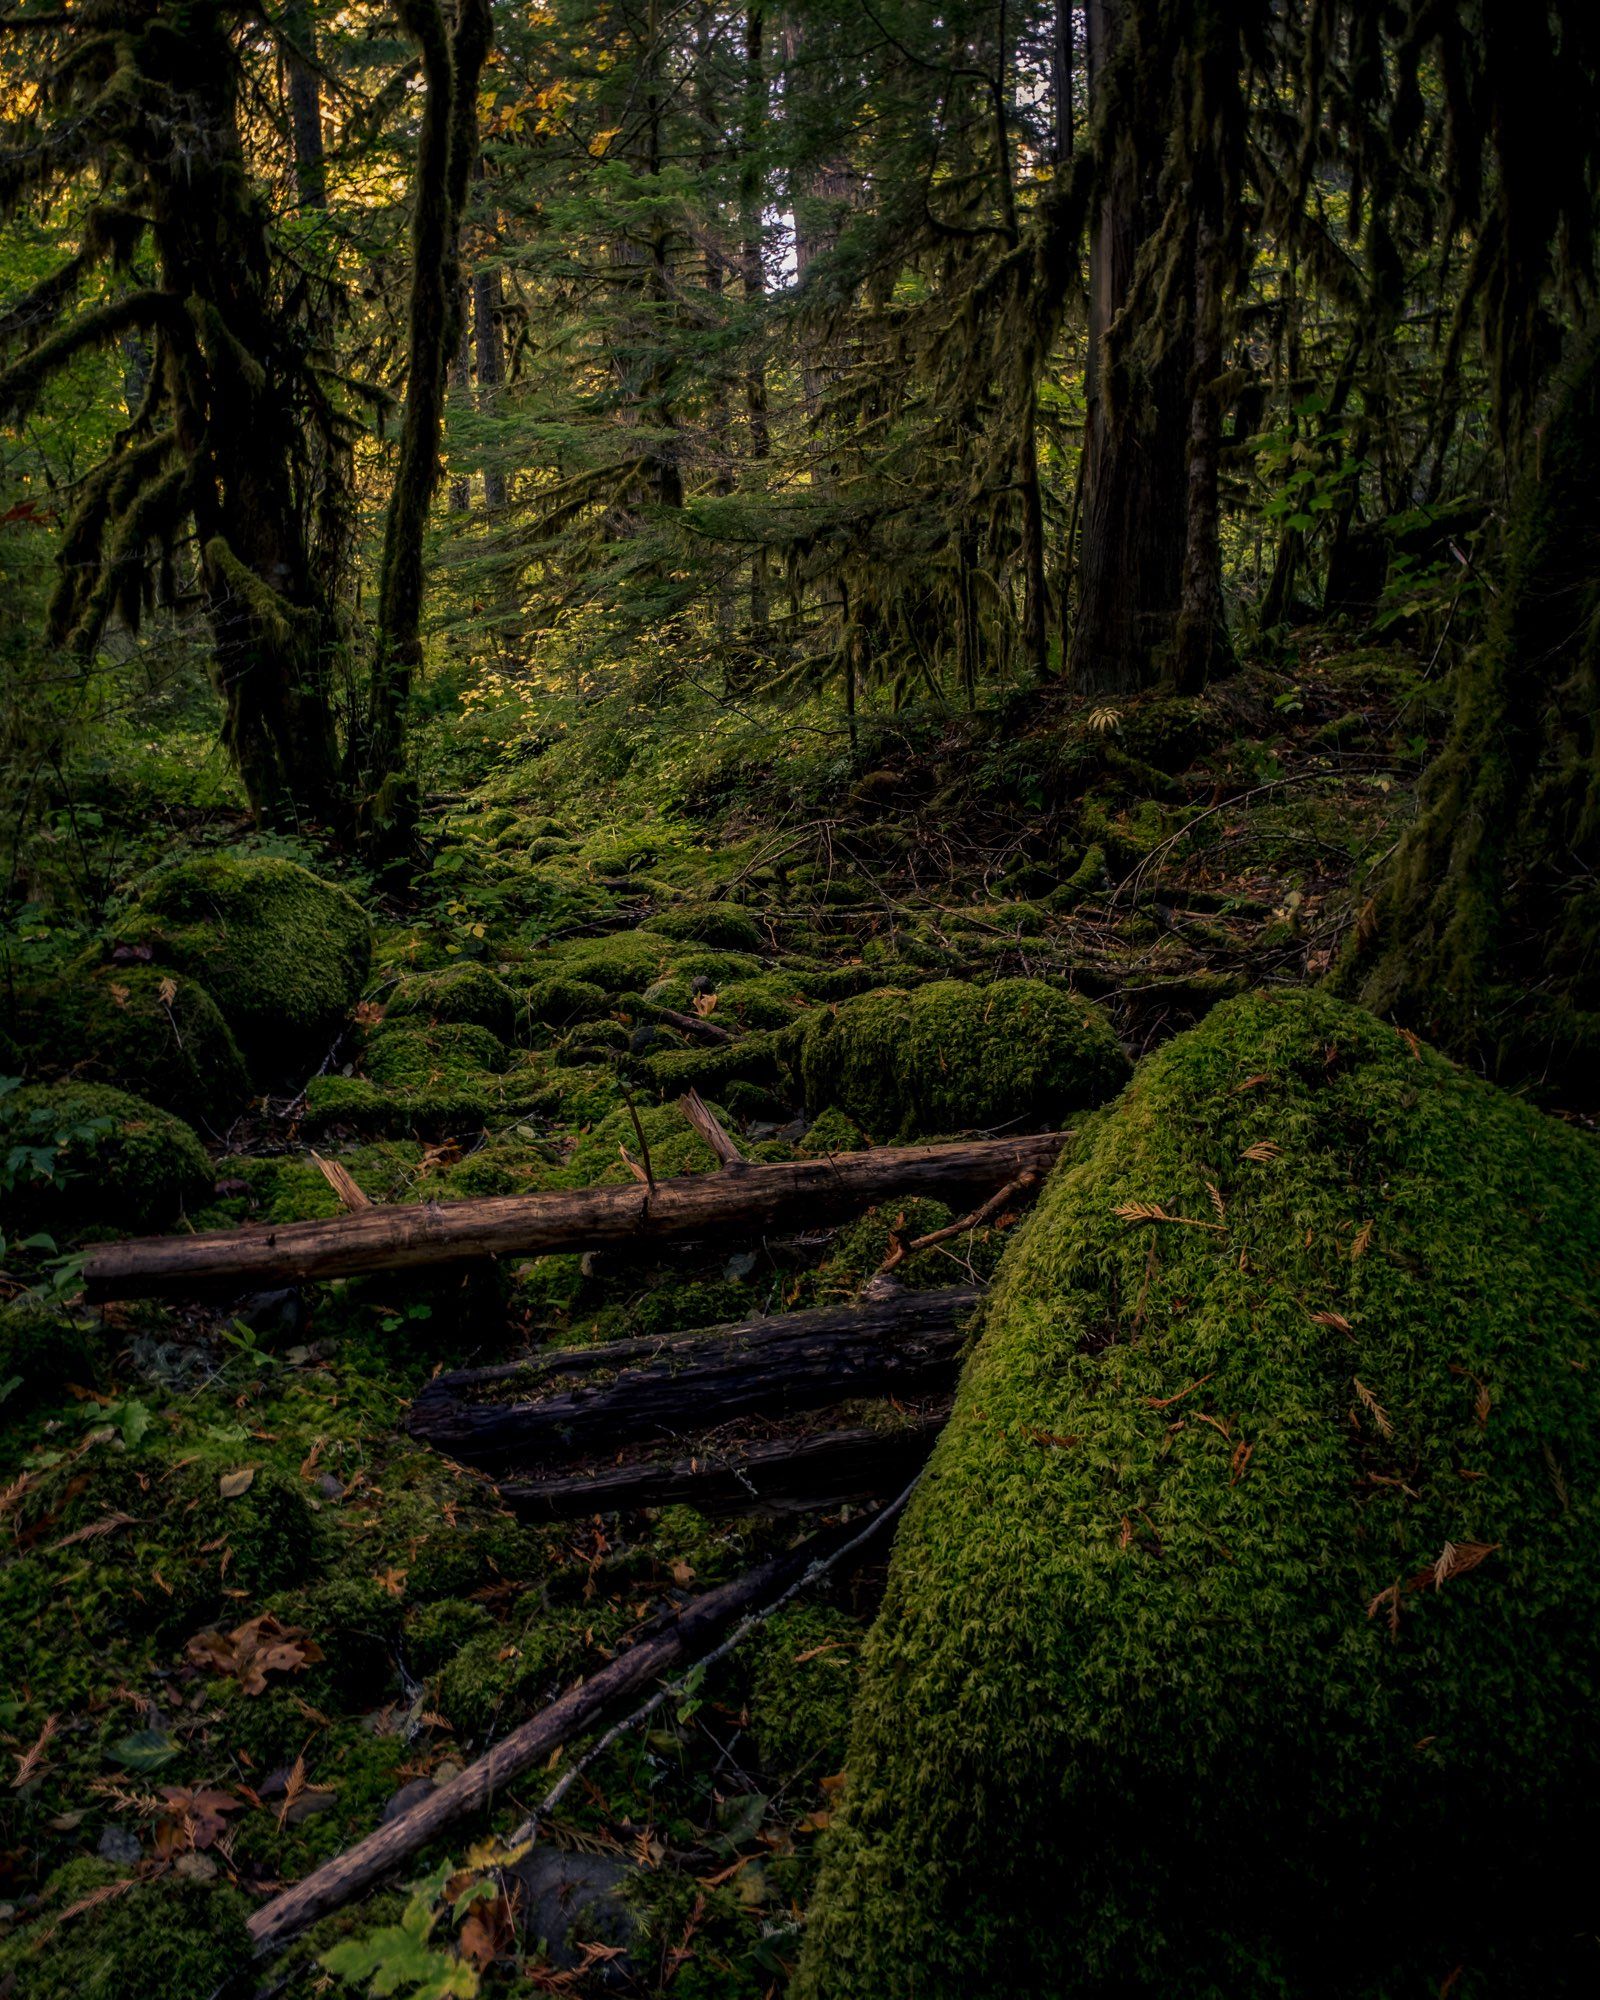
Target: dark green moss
[
  {"x": 141, "y": 1028},
  {"x": 283, "y": 953},
  {"x": 407, "y": 1058},
  {"x": 803, "y": 1670},
  {"x": 1248, "y": 1609},
  {"x": 464, "y": 993},
  {"x": 89, "y": 1156},
  {"x": 560, "y": 1000},
  {"x": 436, "y": 1632},
  {"x": 723, "y": 925},
  {"x": 153, "y": 1941},
  {"x": 949, "y": 1057},
  {"x": 42, "y": 1349}
]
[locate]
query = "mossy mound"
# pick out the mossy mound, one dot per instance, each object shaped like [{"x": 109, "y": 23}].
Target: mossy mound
[
  {"x": 283, "y": 953},
  {"x": 417, "y": 1058},
  {"x": 559, "y": 1000},
  {"x": 949, "y": 1056},
  {"x": 86, "y": 1156},
  {"x": 629, "y": 961},
  {"x": 469, "y": 994},
  {"x": 1243, "y": 1635},
  {"x": 723, "y": 925},
  {"x": 151, "y": 1941},
  {"x": 41, "y": 1350},
  {"x": 143, "y": 1028}
]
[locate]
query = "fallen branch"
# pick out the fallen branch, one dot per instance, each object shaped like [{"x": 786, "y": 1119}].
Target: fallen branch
[
  {"x": 775, "y": 1476},
  {"x": 408, "y": 1238},
  {"x": 583, "y": 1400},
  {"x": 900, "y": 1249},
  {"x": 686, "y": 1637}
]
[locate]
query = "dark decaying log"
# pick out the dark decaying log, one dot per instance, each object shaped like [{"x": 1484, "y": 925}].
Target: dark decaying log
[
  {"x": 775, "y": 1476},
  {"x": 747, "y": 1198},
  {"x": 683, "y": 1635},
  {"x": 581, "y": 1401}
]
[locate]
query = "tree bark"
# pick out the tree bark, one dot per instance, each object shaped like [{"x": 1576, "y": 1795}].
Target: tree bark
[
  {"x": 577, "y": 1401},
  {"x": 394, "y": 1239},
  {"x": 1202, "y": 650}
]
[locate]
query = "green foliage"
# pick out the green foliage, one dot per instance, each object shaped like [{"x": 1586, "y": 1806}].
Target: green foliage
[
  {"x": 282, "y": 952},
  {"x": 82, "y": 1155},
  {"x": 1247, "y": 1610},
  {"x": 399, "y": 1959},
  {"x": 950, "y": 1056},
  {"x": 463, "y": 993}
]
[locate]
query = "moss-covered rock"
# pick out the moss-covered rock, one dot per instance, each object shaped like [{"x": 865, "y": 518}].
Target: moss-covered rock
[
  {"x": 471, "y": 994},
  {"x": 283, "y": 953},
  {"x": 42, "y": 1349},
  {"x": 560, "y": 1000},
  {"x": 86, "y": 1156},
  {"x": 1243, "y": 1635},
  {"x": 152, "y": 1941},
  {"x": 404, "y": 1057},
  {"x": 723, "y": 925},
  {"x": 142, "y": 1028},
  {"x": 951, "y": 1056}
]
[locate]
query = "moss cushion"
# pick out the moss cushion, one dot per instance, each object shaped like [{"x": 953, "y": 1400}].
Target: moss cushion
[{"x": 1244, "y": 1635}]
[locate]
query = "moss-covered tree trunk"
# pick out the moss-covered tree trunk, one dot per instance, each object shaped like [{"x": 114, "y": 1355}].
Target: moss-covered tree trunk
[
  {"x": 1130, "y": 562},
  {"x": 1485, "y": 928},
  {"x": 447, "y": 147}
]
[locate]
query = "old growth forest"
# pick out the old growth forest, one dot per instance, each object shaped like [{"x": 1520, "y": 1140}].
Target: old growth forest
[{"x": 799, "y": 999}]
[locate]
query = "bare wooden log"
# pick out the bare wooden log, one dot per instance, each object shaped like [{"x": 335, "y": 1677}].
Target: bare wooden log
[
  {"x": 775, "y": 1476},
  {"x": 684, "y": 1636},
  {"x": 755, "y": 1198},
  {"x": 583, "y": 1400}
]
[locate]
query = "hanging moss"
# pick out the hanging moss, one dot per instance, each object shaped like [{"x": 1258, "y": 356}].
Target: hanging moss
[
  {"x": 470, "y": 994},
  {"x": 87, "y": 1156},
  {"x": 1243, "y": 1635},
  {"x": 143, "y": 1028},
  {"x": 283, "y": 953},
  {"x": 152, "y": 1941},
  {"x": 949, "y": 1057}
]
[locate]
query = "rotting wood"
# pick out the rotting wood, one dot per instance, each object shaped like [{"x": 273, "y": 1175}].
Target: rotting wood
[
  {"x": 753, "y": 1199},
  {"x": 683, "y": 1636},
  {"x": 773, "y": 1476},
  {"x": 578, "y": 1401}
]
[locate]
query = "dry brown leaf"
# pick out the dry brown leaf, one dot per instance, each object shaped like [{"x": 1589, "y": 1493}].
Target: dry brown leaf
[
  {"x": 108, "y": 1524},
  {"x": 92, "y": 1901},
  {"x": 118, "y": 992},
  {"x": 1241, "y": 1462},
  {"x": 1374, "y": 1409},
  {"x": 1363, "y": 1241},
  {"x": 1459, "y": 1557},
  {"x": 1262, "y": 1151},
  {"x": 232, "y": 1484},
  {"x": 167, "y": 991},
  {"x": 1336, "y": 1320},
  {"x": 704, "y": 1004},
  {"x": 1216, "y": 1201},
  {"x": 1483, "y": 1402},
  {"x": 253, "y": 1650},
  {"x": 489, "y": 1933},
  {"x": 30, "y": 1762}
]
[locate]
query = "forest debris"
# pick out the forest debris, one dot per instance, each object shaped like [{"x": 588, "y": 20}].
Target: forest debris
[
  {"x": 706, "y": 1123},
  {"x": 259, "y": 1647},
  {"x": 343, "y": 1184}
]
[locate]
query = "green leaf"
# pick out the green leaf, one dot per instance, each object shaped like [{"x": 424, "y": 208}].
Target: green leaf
[
  {"x": 144, "y": 1750},
  {"x": 135, "y": 1422},
  {"x": 396, "y": 1960}
]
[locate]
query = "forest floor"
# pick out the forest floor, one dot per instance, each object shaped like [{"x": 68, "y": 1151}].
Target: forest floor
[{"x": 377, "y": 1615}]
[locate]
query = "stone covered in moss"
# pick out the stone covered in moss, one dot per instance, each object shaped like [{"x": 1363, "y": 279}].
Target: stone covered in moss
[
  {"x": 463, "y": 993},
  {"x": 723, "y": 925},
  {"x": 560, "y": 1000},
  {"x": 949, "y": 1057},
  {"x": 87, "y": 1156},
  {"x": 142, "y": 1028},
  {"x": 283, "y": 953},
  {"x": 153, "y": 1941},
  {"x": 1243, "y": 1634},
  {"x": 629, "y": 961}
]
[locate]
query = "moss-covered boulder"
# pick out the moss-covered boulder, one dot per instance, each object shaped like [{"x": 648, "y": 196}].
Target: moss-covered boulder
[
  {"x": 468, "y": 994},
  {"x": 950, "y": 1056},
  {"x": 144, "y": 1028},
  {"x": 282, "y": 952},
  {"x": 81, "y": 1155},
  {"x": 1243, "y": 1637},
  {"x": 42, "y": 1349}
]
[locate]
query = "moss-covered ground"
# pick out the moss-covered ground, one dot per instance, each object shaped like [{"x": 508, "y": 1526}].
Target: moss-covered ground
[{"x": 240, "y": 1613}]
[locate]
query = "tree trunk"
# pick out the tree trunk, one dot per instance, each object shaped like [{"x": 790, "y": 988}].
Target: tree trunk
[
  {"x": 305, "y": 106},
  {"x": 1202, "y": 650},
  {"x": 1132, "y": 534},
  {"x": 1482, "y": 932},
  {"x": 486, "y": 301}
]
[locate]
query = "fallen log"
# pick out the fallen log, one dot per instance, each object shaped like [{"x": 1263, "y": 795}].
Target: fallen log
[
  {"x": 582, "y": 1400},
  {"x": 683, "y": 1636},
  {"x": 750, "y": 1198},
  {"x": 775, "y": 1476}
]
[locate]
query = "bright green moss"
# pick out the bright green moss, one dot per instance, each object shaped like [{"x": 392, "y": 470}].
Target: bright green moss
[
  {"x": 708, "y": 1067},
  {"x": 803, "y": 1670},
  {"x": 560, "y": 1000},
  {"x": 1168, "y": 1695},
  {"x": 629, "y": 961},
  {"x": 465, "y": 993},
  {"x": 141, "y": 1028},
  {"x": 155, "y": 1941},
  {"x": 410, "y": 1058},
  {"x": 950, "y": 1057},
  {"x": 831, "y": 1132},
  {"x": 87, "y": 1156},
  {"x": 675, "y": 1147},
  {"x": 283, "y": 953},
  {"x": 436, "y": 1632},
  {"x": 1087, "y": 879},
  {"x": 723, "y": 925},
  {"x": 772, "y": 1000}
]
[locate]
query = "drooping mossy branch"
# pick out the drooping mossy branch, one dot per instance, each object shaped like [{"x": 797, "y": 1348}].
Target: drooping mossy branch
[{"x": 22, "y": 383}]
